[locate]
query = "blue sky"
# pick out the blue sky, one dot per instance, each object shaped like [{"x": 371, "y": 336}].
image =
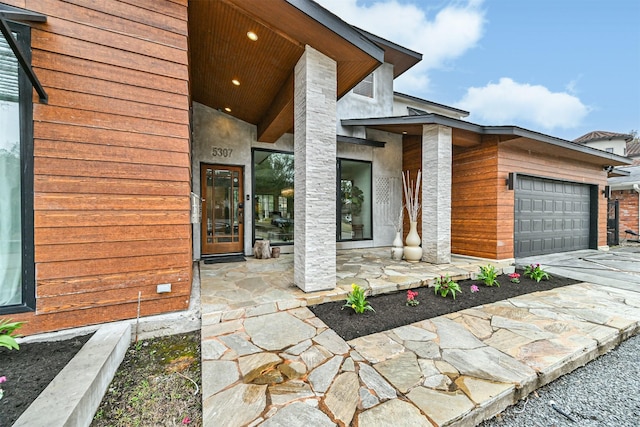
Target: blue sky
[{"x": 560, "y": 67}]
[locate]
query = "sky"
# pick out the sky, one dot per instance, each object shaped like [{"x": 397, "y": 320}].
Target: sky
[{"x": 559, "y": 67}]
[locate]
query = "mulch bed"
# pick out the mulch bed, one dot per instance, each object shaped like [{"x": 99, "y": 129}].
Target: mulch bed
[
  {"x": 29, "y": 370},
  {"x": 391, "y": 310}
]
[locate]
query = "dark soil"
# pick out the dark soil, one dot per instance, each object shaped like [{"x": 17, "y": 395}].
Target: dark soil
[
  {"x": 157, "y": 384},
  {"x": 391, "y": 310},
  {"x": 29, "y": 370}
]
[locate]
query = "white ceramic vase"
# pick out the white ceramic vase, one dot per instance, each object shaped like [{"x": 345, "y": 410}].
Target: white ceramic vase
[
  {"x": 397, "y": 250},
  {"x": 412, "y": 249}
]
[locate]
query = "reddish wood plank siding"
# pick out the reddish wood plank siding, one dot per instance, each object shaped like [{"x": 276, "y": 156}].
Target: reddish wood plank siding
[
  {"x": 513, "y": 159},
  {"x": 474, "y": 204},
  {"x": 482, "y": 214},
  {"x": 111, "y": 161}
]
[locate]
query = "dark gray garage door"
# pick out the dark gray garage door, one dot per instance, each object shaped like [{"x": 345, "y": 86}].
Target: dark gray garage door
[{"x": 551, "y": 216}]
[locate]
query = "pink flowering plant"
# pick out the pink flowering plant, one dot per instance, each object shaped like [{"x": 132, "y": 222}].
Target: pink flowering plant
[
  {"x": 535, "y": 272},
  {"x": 515, "y": 277},
  {"x": 2, "y": 380},
  {"x": 411, "y": 298},
  {"x": 474, "y": 288},
  {"x": 444, "y": 285}
]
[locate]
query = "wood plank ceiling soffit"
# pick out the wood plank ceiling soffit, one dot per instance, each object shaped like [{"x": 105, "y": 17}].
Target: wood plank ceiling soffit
[{"x": 220, "y": 52}]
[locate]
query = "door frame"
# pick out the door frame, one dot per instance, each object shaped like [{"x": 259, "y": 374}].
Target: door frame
[{"x": 224, "y": 248}]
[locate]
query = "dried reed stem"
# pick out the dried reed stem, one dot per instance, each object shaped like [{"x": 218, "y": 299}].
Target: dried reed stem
[{"x": 412, "y": 195}]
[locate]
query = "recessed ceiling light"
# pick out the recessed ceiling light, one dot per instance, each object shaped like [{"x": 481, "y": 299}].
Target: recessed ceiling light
[
  {"x": 404, "y": 132},
  {"x": 252, "y": 36},
  {"x": 227, "y": 109},
  {"x": 236, "y": 82}
]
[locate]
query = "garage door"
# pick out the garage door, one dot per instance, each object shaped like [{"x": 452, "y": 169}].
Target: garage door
[{"x": 550, "y": 216}]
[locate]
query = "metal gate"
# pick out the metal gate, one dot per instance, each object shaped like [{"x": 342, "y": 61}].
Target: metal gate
[{"x": 613, "y": 223}]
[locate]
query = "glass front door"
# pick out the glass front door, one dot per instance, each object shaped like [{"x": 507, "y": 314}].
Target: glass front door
[{"x": 222, "y": 209}]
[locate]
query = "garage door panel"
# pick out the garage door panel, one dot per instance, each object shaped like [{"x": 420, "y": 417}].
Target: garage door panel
[{"x": 551, "y": 216}]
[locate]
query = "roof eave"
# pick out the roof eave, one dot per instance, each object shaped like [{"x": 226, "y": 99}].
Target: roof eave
[
  {"x": 338, "y": 26},
  {"x": 489, "y": 130}
]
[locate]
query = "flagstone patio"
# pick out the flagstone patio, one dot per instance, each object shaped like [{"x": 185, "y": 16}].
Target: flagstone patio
[{"x": 267, "y": 360}]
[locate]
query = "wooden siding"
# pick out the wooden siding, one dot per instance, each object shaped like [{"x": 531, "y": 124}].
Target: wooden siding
[
  {"x": 474, "y": 201},
  {"x": 111, "y": 161},
  {"x": 521, "y": 161},
  {"x": 482, "y": 212}
]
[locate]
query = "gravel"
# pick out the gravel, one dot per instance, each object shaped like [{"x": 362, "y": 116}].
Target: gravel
[{"x": 605, "y": 392}]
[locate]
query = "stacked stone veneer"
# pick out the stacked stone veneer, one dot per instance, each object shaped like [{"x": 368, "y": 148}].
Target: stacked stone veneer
[
  {"x": 628, "y": 200},
  {"x": 436, "y": 194},
  {"x": 315, "y": 150}
]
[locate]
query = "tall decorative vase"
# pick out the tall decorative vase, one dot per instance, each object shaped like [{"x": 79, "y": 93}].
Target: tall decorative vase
[
  {"x": 397, "y": 250},
  {"x": 412, "y": 250}
]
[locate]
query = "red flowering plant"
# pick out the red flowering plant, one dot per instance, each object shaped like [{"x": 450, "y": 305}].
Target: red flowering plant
[
  {"x": 515, "y": 277},
  {"x": 411, "y": 298}
]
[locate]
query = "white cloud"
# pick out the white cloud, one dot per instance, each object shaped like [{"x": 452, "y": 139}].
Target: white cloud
[
  {"x": 511, "y": 103},
  {"x": 441, "y": 38}
]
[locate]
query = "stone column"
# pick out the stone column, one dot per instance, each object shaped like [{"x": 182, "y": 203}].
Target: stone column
[
  {"x": 315, "y": 149},
  {"x": 436, "y": 194}
]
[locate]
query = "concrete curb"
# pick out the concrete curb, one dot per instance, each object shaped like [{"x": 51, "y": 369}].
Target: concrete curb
[{"x": 74, "y": 395}]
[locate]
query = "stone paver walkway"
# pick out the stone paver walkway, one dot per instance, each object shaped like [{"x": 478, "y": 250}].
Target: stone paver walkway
[{"x": 268, "y": 361}]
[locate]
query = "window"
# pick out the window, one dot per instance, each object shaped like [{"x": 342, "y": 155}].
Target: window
[
  {"x": 365, "y": 87},
  {"x": 273, "y": 175},
  {"x": 354, "y": 204},
  {"x": 17, "y": 288}
]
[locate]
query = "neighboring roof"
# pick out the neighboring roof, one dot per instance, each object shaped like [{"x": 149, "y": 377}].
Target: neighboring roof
[
  {"x": 599, "y": 135},
  {"x": 401, "y": 57},
  {"x": 457, "y": 111},
  {"x": 626, "y": 182},
  {"x": 412, "y": 125},
  {"x": 633, "y": 148}
]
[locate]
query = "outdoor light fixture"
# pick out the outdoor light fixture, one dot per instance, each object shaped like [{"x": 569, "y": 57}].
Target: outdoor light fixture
[
  {"x": 511, "y": 180},
  {"x": 606, "y": 192},
  {"x": 252, "y": 36},
  {"x": 227, "y": 109}
]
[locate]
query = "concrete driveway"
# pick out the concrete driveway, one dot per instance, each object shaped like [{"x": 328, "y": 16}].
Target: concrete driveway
[{"x": 619, "y": 267}]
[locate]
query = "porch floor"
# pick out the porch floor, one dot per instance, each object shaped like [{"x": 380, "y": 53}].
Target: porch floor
[{"x": 227, "y": 289}]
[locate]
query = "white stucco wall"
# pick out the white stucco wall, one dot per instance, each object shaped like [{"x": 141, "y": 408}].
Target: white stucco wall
[
  {"x": 353, "y": 106},
  {"x": 212, "y": 128}
]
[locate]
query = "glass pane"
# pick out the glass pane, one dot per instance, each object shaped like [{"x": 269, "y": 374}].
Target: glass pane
[
  {"x": 10, "y": 185},
  {"x": 274, "y": 215},
  {"x": 222, "y": 195},
  {"x": 355, "y": 200}
]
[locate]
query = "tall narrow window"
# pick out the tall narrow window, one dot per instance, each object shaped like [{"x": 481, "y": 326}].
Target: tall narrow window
[
  {"x": 273, "y": 174},
  {"x": 355, "y": 213},
  {"x": 16, "y": 179}
]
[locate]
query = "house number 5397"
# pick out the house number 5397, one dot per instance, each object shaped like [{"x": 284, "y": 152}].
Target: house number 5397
[{"x": 221, "y": 152}]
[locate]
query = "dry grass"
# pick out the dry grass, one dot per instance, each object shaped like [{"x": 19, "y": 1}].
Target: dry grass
[{"x": 157, "y": 384}]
